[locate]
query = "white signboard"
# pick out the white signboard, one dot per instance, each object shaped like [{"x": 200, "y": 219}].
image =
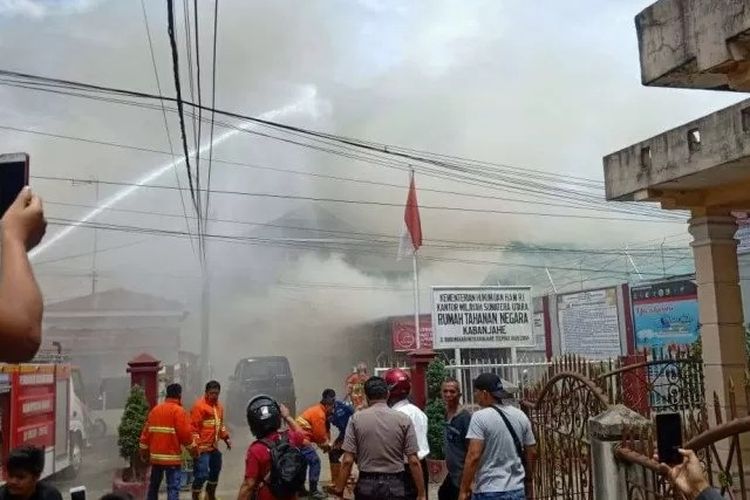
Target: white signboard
[
  {"x": 482, "y": 317},
  {"x": 589, "y": 323}
]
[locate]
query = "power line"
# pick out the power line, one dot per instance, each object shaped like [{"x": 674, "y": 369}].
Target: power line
[
  {"x": 178, "y": 101},
  {"x": 431, "y": 242},
  {"x": 199, "y": 140},
  {"x": 367, "y": 146},
  {"x": 247, "y": 240},
  {"x": 86, "y": 254},
  {"x": 365, "y": 203},
  {"x": 164, "y": 114},
  {"x": 576, "y": 201},
  {"x": 474, "y": 196},
  {"x": 213, "y": 106}
]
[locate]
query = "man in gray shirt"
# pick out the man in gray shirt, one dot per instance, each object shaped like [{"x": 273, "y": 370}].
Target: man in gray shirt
[
  {"x": 378, "y": 438},
  {"x": 500, "y": 443}
]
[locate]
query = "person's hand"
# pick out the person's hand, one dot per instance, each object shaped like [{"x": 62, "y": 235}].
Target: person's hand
[
  {"x": 326, "y": 447},
  {"x": 464, "y": 495},
  {"x": 688, "y": 477},
  {"x": 24, "y": 220},
  {"x": 284, "y": 411},
  {"x": 228, "y": 442}
]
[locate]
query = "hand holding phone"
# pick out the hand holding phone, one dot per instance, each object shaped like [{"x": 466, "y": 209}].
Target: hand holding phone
[
  {"x": 24, "y": 221},
  {"x": 21, "y": 211},
  {"x": 14, "y": 176},
  {"x": 669, "y": 438},
  {"x": 78, "y": 493}
]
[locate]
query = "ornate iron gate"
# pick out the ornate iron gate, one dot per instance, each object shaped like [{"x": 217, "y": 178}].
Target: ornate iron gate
[
  {"x": 574, "y": 390},
  {"x": 559, "y": 413}
]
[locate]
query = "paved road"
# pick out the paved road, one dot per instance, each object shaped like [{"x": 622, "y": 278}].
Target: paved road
[{"x": 102, "y": 460}]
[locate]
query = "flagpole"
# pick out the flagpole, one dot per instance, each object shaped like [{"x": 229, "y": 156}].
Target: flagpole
[{"x": 417, "y": 325}]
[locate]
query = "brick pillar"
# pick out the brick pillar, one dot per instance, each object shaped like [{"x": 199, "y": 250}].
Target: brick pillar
[
  {"x": 720, "y": 305},
  {"x": 419, "y": 361},
  {"x": 144, "y": 371}
]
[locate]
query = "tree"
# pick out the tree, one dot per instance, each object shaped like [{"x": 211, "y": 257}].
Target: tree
[
  {"x": 129, "y": 432},
  {"x": 436, "y": 375}
]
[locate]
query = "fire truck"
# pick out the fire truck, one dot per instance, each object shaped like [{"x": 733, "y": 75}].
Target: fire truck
[{"x": 40, "y": 406}]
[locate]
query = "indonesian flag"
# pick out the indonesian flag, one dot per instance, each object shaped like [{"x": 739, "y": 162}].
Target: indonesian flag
[{"x": 411, "y": 237}]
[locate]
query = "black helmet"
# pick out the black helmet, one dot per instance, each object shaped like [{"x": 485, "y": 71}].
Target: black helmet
[{"x": 263, "y": 415}]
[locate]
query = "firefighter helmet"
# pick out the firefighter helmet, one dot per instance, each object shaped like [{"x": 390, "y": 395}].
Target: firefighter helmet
[
  {"x": 399, "y": 383},
  {"x": 263, "y": 415}
]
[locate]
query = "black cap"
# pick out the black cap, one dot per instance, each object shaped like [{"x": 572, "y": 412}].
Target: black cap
[{"x": 491, "y": 383}]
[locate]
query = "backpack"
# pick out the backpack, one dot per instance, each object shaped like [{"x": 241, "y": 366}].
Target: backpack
[{"x": 288, "y": 468}]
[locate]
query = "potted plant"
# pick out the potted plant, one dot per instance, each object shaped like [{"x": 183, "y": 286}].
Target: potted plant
[
  {"x": 132, "y": 479},
  {"x": 435, "y": 410}
]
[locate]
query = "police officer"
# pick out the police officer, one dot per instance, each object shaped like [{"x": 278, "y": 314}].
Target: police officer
[
  {"x": 399, "y": 387},
  {"x": 378, "y": 438}
]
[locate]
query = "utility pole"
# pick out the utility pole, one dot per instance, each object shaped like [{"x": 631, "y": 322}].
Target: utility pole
[
  {"x": 205, "y": 324},
  {"x": 94, "y": 275},
  {"x": 205, "y": 306}
]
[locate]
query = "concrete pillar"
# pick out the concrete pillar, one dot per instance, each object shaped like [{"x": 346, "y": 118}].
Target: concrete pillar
[
  {"x": 144, "y": 371},
  {"x": 605, "y": 434},
  {"x": 419, "y": 361},
  {"x": 720, "y": 305}
]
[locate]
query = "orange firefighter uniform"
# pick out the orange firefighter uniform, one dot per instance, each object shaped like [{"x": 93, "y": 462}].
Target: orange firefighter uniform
[
  {"x": 167, "y": 429},
  {"x": 208, "y": 424},
  {"x": 313, "y": 423}
]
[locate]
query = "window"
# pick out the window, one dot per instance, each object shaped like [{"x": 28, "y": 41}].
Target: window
[
  {"x": 694, "y": 140},
  {"x": 645, "y": 157}
]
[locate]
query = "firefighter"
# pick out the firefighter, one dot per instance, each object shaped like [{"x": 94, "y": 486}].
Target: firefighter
[
  {"x": 208, "y": 425},
  {"x": 167, "y": 428},
  {"x": 399, "y": 387},
  {"x": 314, "y": 423}
]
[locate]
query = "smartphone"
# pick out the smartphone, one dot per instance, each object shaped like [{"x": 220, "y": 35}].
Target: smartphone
[
  {"x": 14, "y": 175},
  {"x": 78, "y": 493},
  {"x": 669, "y": 437}
]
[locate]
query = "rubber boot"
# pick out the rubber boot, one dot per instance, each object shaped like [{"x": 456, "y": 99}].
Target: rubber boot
[{"x": 211, "y": 491}]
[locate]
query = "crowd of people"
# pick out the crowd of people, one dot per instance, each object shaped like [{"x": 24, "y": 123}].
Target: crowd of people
[{"x": 490, "y": 448}]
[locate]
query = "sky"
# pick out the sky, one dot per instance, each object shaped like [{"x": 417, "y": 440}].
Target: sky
[{"x": 547, "y": 85}]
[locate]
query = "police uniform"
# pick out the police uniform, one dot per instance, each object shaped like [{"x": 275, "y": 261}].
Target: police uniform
[{"x": 379, "y": 438}]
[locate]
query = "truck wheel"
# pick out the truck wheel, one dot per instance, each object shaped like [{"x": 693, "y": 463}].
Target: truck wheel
[{"x": 76, "y": 457}]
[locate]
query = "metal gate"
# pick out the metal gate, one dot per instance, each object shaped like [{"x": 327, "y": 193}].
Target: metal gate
[{"x": 559, "y": 413}]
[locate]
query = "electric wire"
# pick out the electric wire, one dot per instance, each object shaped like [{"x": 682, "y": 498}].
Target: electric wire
[{"x": 164, "y": 115}]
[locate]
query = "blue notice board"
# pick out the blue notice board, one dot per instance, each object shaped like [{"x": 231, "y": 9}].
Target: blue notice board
[{"x": 665, "y": 314}]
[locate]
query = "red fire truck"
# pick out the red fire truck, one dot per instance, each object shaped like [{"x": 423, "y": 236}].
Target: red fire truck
[{"x": 39, "y": 406}]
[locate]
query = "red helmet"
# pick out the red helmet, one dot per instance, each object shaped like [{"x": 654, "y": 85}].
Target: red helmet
[{"x": 399, "y": 382}]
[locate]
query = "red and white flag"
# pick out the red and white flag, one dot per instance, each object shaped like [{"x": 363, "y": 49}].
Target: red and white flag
[{"x": 411, "y": 237}]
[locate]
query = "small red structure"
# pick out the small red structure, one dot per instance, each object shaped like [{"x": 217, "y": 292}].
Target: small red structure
[
  {"x": 144, "y": 371},
  {"x": 419, "y": 361}
]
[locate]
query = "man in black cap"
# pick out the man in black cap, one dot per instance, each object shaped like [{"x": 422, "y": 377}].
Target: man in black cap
[{"x": 502, "y": 448}]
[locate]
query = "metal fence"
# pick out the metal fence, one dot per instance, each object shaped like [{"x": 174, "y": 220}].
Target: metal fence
[
  {"x": 719, "y": 447},
  {"x": 525, "y": 370},
  {"x": 575, "y": 389}
]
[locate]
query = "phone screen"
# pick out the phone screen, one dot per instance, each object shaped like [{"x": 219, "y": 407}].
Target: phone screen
[
  {"x": 14, "y": 175},
  {"x": 78, "y": 493},
  {"x": 669, "y": 437}
]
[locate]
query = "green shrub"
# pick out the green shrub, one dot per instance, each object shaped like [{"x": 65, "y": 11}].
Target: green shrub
[
  {"x": 129, "y": 431},
  {"x": 436, "y": 375}
]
